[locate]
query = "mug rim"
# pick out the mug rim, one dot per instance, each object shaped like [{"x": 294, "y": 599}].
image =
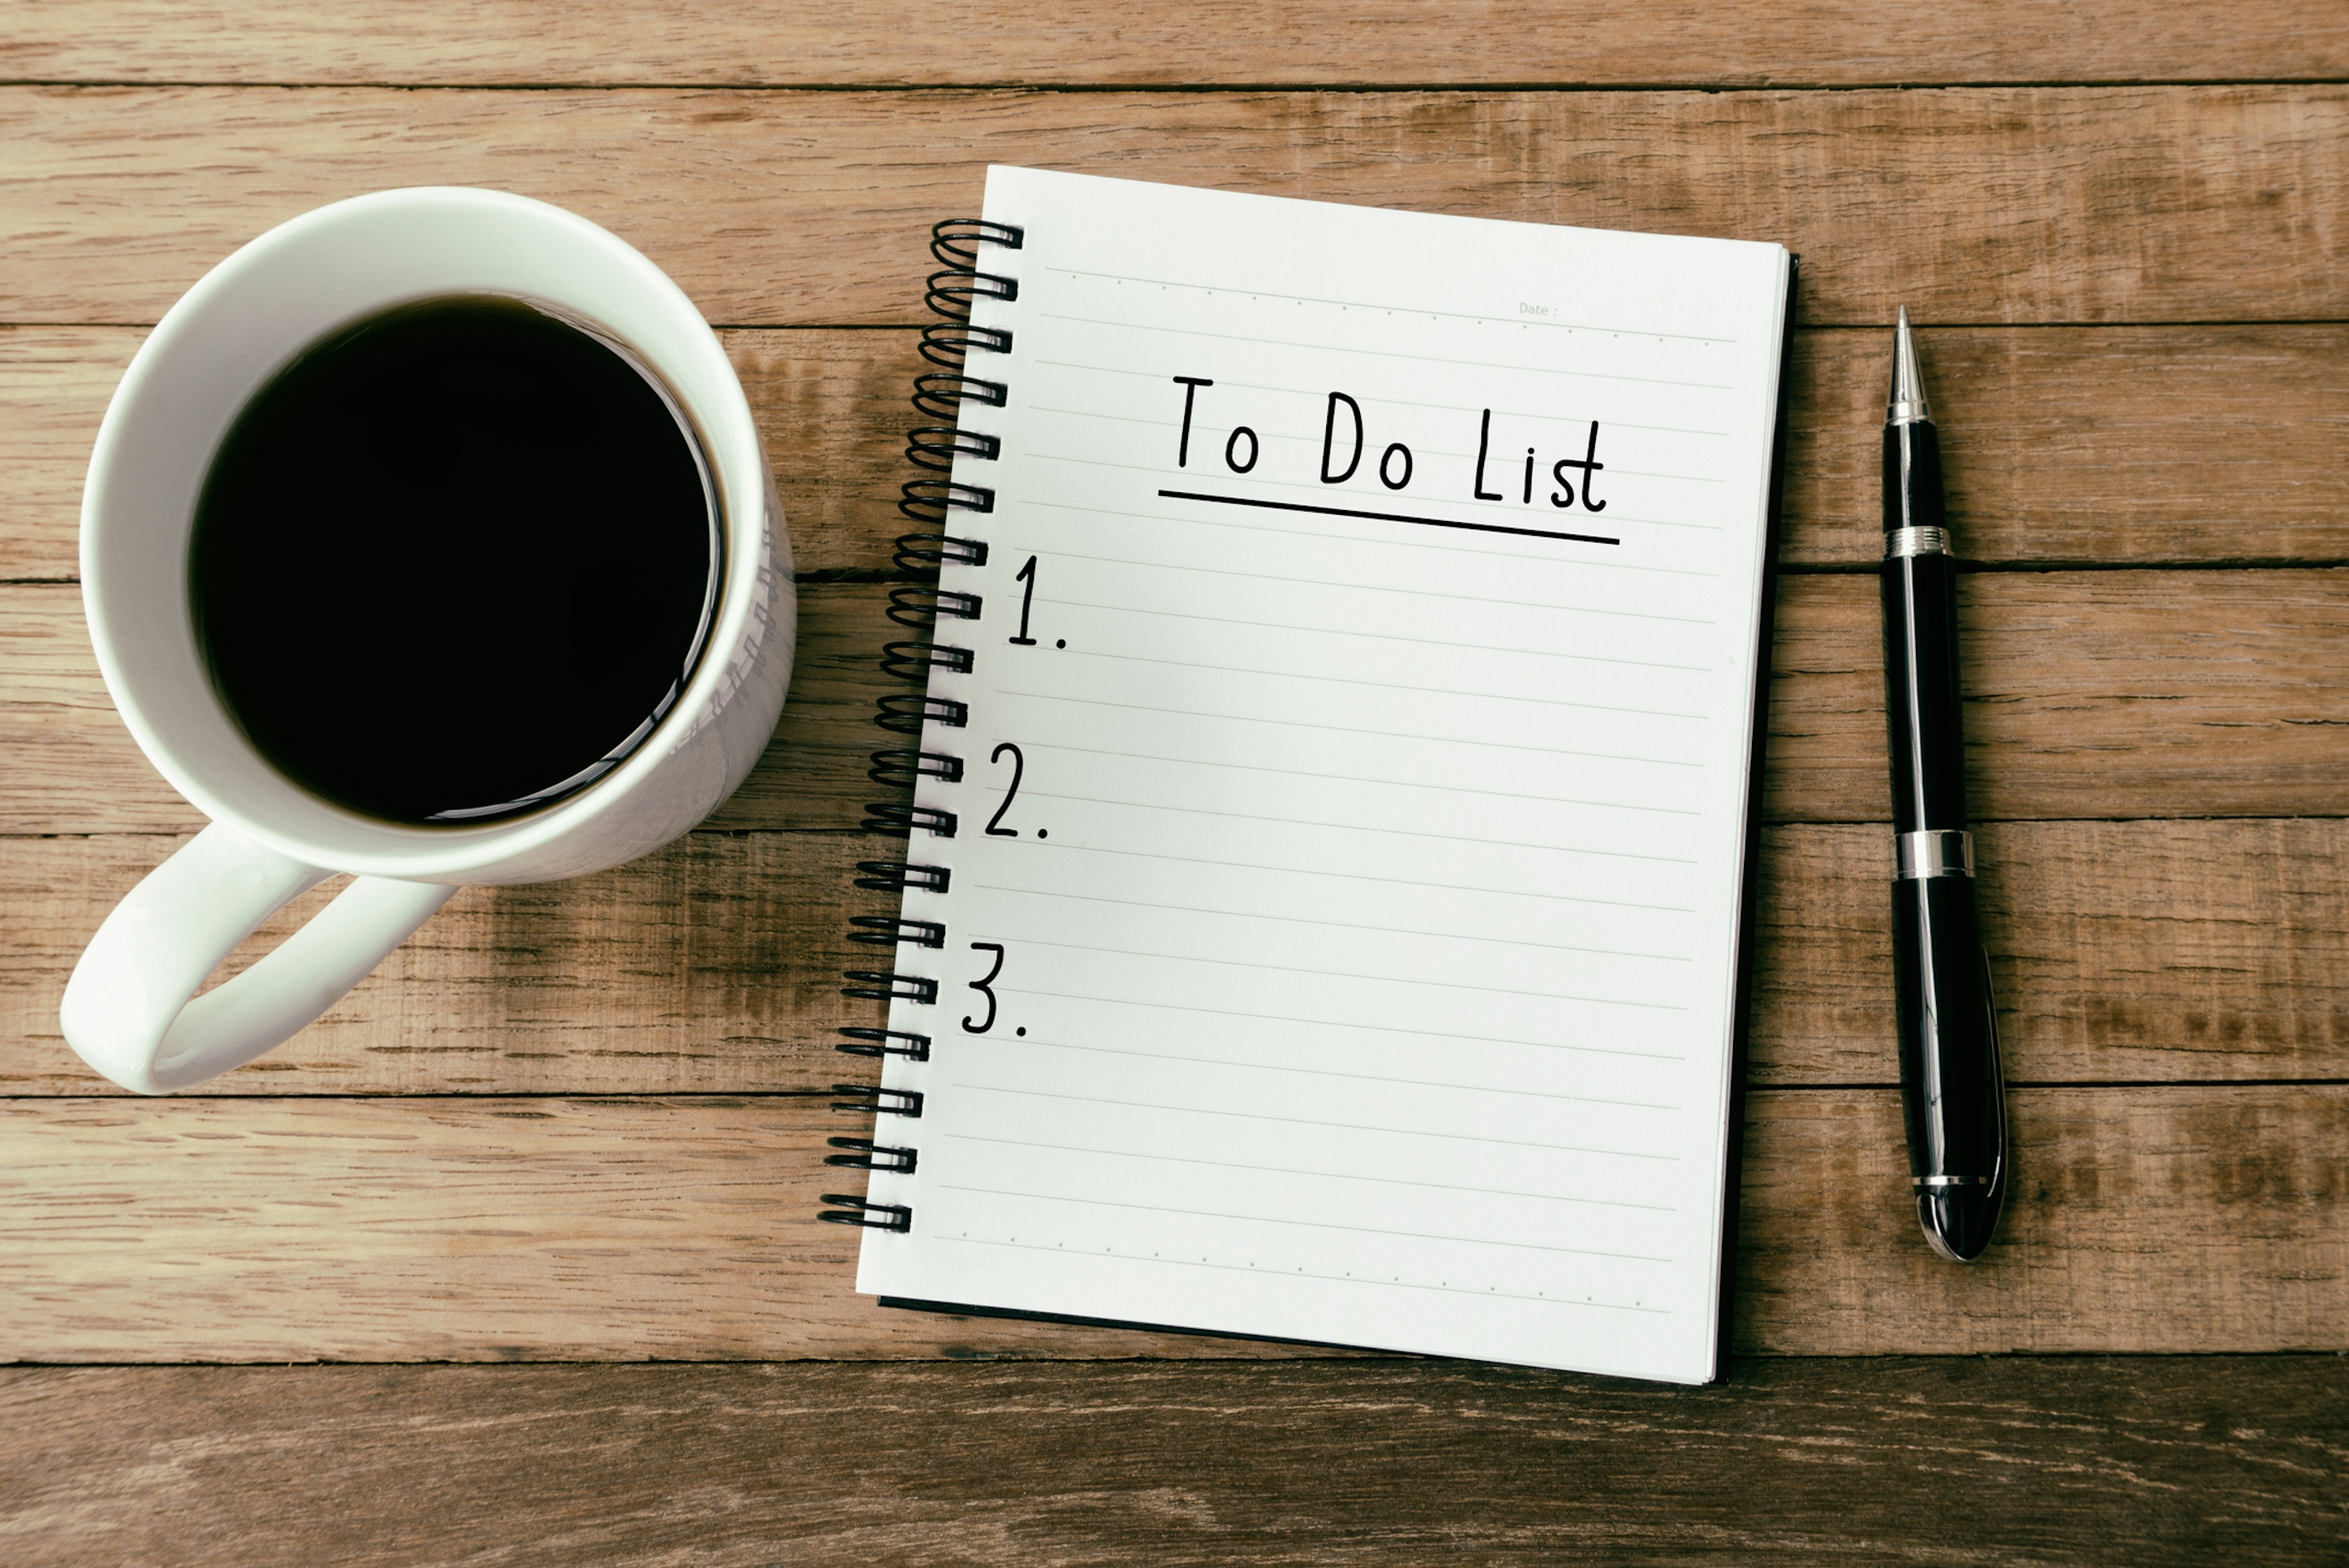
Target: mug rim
[{"x": 737, "y": 465}]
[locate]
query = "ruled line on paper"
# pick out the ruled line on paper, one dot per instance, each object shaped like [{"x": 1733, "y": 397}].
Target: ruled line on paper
[
  {"x": 1364, "y": 876},
  {"x": 1308, "y": 821},
  {"x": 1390, "y": 517},
  {"x": 1594, "y": 563},
  {"x": 1306, "y": 1273},
  {"x": 1513, "y": 1091},
  {"x": 1399, "y": 638},
  {"x": 1361, "y": 827},
  {"x": 1308, "y": 1121},
  {"x": 1400, "y": 686},
  {"x": 1332, "y": 925},
  {"x": 1205, "y": 428},
  {"x": 1546, "y": 606},
  {"x": 1615, "y": 515},
  {"x": 1348, "y": 1024},
  {"x": 1515, "y": 843},
  {"x": 1381, "y": 685},
  {"x": 1377, "y": 398},
  {"x": 1357, "y": 778},
  {"x": 1299, "y": 1171},
  {"x": 1283, "y": 437},
  {"x": 1350, "y": 729},
  {"x": 1398, "y": 309},
  {"x": 1486, "y": 366},
  {"x": 1302, "y": 1224},
  {"x": 1149, "y": 470},
  {"x": 1480, "y": 989},
  {"x": 1161, "y": 470}
]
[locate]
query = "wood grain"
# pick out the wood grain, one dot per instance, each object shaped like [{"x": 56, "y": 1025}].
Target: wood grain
[
  {"x": 2134, "y": 1212},
  {"x": 73, "y": 768},
  {"x": 2091, "y": 695},
  {"x": 573, "y": 1171},
  {"x": 2119, "y": 952},
  {"x": 2064, "y": 445},
  {"x": 1369, "y": 42},
  {"x": 2010, "y": 204},
  {"x": 2137, "y": 951},
  {"x": 2210, "y": 1460},
  {"x": 2114, "y": 445},
  {"x": 831, "y": 406},
  {"x": 2155, "y": 1219},
  {"x": 710, "y": 967},
  {"x": 55, "y": 382}
]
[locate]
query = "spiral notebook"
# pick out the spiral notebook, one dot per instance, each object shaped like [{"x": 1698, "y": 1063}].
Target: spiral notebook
[{"x": 1332, "y": 734}]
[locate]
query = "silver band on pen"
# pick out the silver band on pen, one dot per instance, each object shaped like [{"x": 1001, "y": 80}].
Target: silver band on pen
[
  {"x": 1936, "y": 852},
  {"x": 1901, "y": 542}
]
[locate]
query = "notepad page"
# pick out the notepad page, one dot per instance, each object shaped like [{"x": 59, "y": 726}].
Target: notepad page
[{"x": 1341, "y": 933}]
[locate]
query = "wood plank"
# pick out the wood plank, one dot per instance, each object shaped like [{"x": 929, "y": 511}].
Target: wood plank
[
  {"x": 710, "y": 967},
  {"x": 831, "y": 406},
  {"x": 2234, "y": 1459},
  {"x": 2169, "y": 951},
  {"x": 74, "y": 768},
  {"x": 1629, "y": 42},
  {"x": 2144, "y": 1220},
  {"x": 55, "y": 382},
  {"x": 2134, "y": 1213},
  {"x": 2091, "y": 695},
  {"x": 2139, "y": 952},
  {"x": 2070, "y": 446},
  {"x": 2065, "y": 444},
  {"x": 2010, "y": 204},
  {"x": 471, "y": 1229}
]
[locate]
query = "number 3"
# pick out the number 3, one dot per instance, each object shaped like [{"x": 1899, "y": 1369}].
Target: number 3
[{"x": 985, "y": 986}]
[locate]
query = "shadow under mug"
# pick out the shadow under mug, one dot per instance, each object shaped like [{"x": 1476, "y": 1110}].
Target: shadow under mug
[{"x": 130, "y": 1009}]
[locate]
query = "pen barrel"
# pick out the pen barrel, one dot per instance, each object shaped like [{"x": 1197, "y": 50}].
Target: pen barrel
[
  {"x": 1952, "y": 1093},
  {"x": 1912, "y": 475},
  {"x": 1924, "y": 712},
  {"x": 1948, "y": 1031}
]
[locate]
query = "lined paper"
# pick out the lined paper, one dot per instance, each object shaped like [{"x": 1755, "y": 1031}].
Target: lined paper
[{"x": 1342, "y": 922}]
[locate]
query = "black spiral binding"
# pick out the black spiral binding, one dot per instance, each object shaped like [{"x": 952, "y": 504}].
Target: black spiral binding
[{"x": 928, "y": 498}]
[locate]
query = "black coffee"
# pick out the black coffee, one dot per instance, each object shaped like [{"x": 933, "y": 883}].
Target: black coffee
[{"x": 454, "y": 561}]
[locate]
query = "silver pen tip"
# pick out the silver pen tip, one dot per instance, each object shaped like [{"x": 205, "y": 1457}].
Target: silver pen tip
[{"x": 1906, "y": 403}]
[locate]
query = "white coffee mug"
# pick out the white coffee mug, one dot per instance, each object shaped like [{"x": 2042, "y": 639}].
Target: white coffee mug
[{"x": 128, "y": 1009}]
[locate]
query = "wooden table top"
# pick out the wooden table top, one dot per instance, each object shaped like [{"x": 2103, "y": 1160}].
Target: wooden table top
[{"x": 416, "y": 1288}]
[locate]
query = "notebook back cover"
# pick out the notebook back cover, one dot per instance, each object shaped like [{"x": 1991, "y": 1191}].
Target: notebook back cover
[{"x": 1338, "y": 937}]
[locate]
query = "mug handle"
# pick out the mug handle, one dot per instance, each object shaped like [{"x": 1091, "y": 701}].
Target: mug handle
[{"x": 131, "y": 1009}]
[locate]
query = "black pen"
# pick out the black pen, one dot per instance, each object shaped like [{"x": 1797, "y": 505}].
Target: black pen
[{"x": 1950, "y": 1084}]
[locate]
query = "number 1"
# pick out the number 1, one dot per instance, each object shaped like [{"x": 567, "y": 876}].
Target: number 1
[{"x": 1026, "y": 574}]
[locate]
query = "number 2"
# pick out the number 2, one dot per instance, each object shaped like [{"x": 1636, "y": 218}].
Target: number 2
[
  {"x": 985, "y": 986},
  {"x": 1019, "y": 767}
]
